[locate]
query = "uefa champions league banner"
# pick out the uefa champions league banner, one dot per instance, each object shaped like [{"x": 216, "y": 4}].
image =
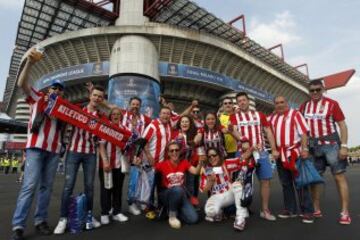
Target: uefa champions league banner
[
  {"x": 206, "y": 76},
  {"x": 74, "y": 115},
  {"x": 124, "y": 87}
]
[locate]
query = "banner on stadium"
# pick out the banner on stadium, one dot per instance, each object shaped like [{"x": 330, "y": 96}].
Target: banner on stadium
[
  {"x": 74, "y": 72},
  {"x": 99, "y": 126},
  {"x": 124, "y": 87}
]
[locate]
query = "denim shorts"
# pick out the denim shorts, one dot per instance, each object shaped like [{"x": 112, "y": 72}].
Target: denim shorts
[
  {"x": 328, "y": 155},
  {"x": 264, "y": 170}
]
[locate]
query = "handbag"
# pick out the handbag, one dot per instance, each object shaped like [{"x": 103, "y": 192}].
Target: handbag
[{"x": 308, "y": 175}]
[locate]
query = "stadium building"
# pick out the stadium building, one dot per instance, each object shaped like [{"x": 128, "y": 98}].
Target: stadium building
[{"x": 146, "y": 48}]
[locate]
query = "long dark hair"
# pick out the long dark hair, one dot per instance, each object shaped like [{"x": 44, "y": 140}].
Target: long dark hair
[
  {"x": 217, "y": 122},
  {"x": 190, "y": 134}
]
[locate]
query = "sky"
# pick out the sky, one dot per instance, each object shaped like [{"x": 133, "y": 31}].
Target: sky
[{"x": 324, "y": 34}]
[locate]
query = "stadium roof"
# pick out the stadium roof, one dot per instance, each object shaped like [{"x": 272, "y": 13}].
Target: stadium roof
[{"x": 42, "y": 19}]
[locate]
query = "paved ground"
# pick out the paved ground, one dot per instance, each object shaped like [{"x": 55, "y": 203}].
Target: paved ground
[{"x": 140, "y": 228}]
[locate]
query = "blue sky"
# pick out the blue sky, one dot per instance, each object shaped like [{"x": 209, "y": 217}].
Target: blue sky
[{"x": 324, "y": 34}]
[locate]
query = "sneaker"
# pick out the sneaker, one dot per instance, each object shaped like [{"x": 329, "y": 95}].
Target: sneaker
[
  {"x": 104, "y": 219},
  {"x": 317, "y": 214},
  {"x": 134, "y": 210},
  {"x": 174, "y": 222},
  {"x": 307, "y": 218},
  {"x": 239, "y": 224},
  {"x": 120, "y": 218},
  {"x": 43, "y": 229},
  {"x": 266, "y": 214},
  {"x": 345, "y": 219},
  {"x": 285, "y": 214},
  {"x": 61, "y": 226},
  {"x": 209, "y": 219},
  {"x": 17, "y": 234},
  {"x": 92, "y": 224},
  {"x": 194, "y": 201}
]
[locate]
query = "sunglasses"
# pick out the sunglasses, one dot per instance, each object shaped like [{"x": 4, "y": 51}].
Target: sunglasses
[
  {"x": 315, "y": 90},
  {"x": 212, "y": 155},
  {"x": 195, "y": 112},
  {"x": 174, "y": 150},
  {"x": 57, "y": 88},
  {"x": 228, "y": 103}
]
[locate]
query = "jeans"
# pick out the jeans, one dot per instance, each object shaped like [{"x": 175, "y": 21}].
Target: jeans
[
  {"x": 111, "y": 198},
  {"x": 176, "y": 201},
  {"x": 328, "y": 155},
  {"x": 192, "y": 184},
  {"x": 72, "y": 164},
  {"x": 40, "y": 171},
  {"x": 289, "y": 192}
]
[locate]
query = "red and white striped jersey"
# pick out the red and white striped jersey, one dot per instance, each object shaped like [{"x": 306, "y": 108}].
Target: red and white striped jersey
[
  {"x": 288, "y": 127},
  {"x": 321, "y": 117},
  {"x": 142, "y": 122},
  {"x": 48, "y": 137},
  {"x": 222, "y": 183},
  {"x": 250, "y": 125},
  {"x": 82, "y": 141},
  {"x": 158, "y": 136},
  {"x": 212, "y": 138},
  {"x": 113, "y": 153}
]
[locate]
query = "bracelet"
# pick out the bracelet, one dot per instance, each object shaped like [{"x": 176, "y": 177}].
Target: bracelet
[
  {"x": 305, "y": 149},
  {"x": 343, "y": 145}
]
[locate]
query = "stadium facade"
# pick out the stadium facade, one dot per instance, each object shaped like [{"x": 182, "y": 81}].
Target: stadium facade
[{"x": 146, "y": 48}]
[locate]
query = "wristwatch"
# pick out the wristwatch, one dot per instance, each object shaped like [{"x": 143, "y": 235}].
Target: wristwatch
[{"x": 343, "y": 145}]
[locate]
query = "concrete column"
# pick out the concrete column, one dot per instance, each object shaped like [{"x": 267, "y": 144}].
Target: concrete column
[
  {"x": 131, "y": 13},
  {"x": 134, "y": 71}
]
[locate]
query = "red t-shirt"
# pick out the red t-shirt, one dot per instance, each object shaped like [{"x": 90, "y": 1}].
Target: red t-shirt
[{"x": 172, "y": 175}]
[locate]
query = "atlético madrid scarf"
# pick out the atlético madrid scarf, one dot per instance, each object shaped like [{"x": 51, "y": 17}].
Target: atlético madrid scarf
[{"x": 99, "y": 126}]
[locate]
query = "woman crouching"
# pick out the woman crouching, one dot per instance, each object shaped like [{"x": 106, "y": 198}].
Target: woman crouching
[
  {"x": 216, "y": 180},
  {"x": 172, "y": 193}
]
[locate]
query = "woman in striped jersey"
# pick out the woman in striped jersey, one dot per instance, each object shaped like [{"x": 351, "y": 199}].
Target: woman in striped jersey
[
  {"x": 112, "y": 166},
  {"x": 216, "y": 180},
  {"x": 211, "y": 136}
]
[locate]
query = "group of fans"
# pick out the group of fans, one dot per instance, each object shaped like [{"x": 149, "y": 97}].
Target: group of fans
[{"x": 182, "y": 154}]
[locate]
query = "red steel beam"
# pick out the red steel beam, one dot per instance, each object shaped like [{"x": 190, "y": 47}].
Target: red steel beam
[
  {"x": 151, "y": 7},
  {"x": 242, "y": 17},
  {"x": 306, "y": 68},
  {"x": 281, "y": 50}
]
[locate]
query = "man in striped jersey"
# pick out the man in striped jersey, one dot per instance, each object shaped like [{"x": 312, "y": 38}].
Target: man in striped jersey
[
  {"x": 327, "y": 147},
  {"x": 158, "y": 135},
  {"x": 252, "y": 125},
  {"x": 290, "y": 132},
  {"x": 82, "y": 150},
  {"x": 42, "y": 154}
]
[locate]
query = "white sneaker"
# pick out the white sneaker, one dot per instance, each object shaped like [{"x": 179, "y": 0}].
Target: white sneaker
[
  {"x": 174, "y": 222},
  {"x": 133, "y": 209},
  {"x": 61, "y": 226},
  {"x": 239, "y": 224},
  {"x": 104, "y": 219},
  {"x": 95, "y": 223},
  {"x": 120, "y": 218}
]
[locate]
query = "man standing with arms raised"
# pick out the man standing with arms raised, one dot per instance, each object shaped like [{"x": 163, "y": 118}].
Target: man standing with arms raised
[
  {"x": 322, "y": 115},
  {"x": 42, "y": 155},
  {"x": 82, "y": 151},
  {"x": 252, "y": 125}
]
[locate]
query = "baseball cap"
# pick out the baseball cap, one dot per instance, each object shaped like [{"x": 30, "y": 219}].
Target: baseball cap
[{"x": 57, "y": 83}]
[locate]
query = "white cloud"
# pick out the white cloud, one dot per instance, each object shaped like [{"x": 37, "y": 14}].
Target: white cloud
[
  {"x": 11, "y": 4},
  {"x": 281, "y": 30},
  {"x": 348, "y": 98}
]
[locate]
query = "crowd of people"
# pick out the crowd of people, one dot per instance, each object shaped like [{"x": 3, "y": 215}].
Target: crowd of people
[{"x": 183, "y": 155}]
